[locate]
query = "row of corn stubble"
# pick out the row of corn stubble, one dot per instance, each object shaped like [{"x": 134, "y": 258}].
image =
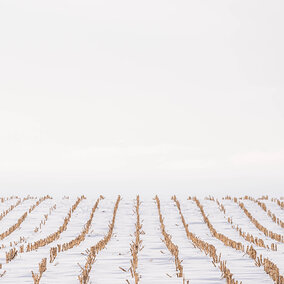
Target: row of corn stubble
[{"x": 136, "y": 245}]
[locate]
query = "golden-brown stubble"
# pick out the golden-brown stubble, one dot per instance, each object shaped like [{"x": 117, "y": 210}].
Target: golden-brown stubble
[
  {"x": 10, "y": 255},
  {"x": 93, "y": 251},
  {"x": 66, "y": 246},
  {"x": 173, "y": 249},
  {"x": 11, "y": 208},
  {"x": 207, "y": 248},
  {"x": 42, "y": 269},
  {"x": 77, "y": 240},
  {"x": 260, "y": 227},
  {"x": 263, "y": 206},
  {"x": 22, "y": 218},
  {"x": 245, "y": 235},
  {"x": 135, "y": 246},
  {"x": 279, "y": 202},
  {"x": 269, "y": 267},
  {"x": 43, "y": 221}
]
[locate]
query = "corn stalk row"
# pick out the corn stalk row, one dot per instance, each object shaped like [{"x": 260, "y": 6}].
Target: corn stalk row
[
  {"x": 11, "y": 254},
  {"x": 43, "y": 221},
  {"x": 269, "y": 267},
  {"x": 207, "y": 248},
  {"x": 42, "y": 269},
  {"x": 268, "y": 233},
  {"x": 93, "y": 251},
  {"x": 245, "y": 235},
  {"x": 22, "y": 219},
  {"x": 278, "y": 202},
  {"x": 263, "y": 206},
  {"x": 173, "y": 249},
  {"x": 76, "y": 241},
  {"x": 136, "y": 244}
]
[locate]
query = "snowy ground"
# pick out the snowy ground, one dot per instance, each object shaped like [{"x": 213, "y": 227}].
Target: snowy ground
[{"x": 155, "y": 262}]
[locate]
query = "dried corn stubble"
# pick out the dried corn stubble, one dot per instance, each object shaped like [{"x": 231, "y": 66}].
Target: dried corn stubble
[
  {"x": 43, "y": 221},
  {"x": 268, "y": 233},
  {"x": 263, "y": 206},
  {"x": 54, "y": 236},
  {"x": 15, "y": 243},
  {"x": 207, "y": 248},
  {"x": 42, "y": 269},
  {"x": 22, "y": 219},
  {"x": 12, "y": 207},
  {"x": 92, "y": 252},
  {"x": 245, "y": 235},
  {"x": 269, "y": 267},
  {"x": 136, "y": 244},
  {"x": 167, "y": 240},
  {"x": 3, "y": 199},
  {"x": 278, "y": 202},
  {"x": 49, "y": 239},
  {"x": 76, "y": 241}
]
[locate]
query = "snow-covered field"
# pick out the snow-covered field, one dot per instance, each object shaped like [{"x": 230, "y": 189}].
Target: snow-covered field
[{"x": 27, "y": 239}]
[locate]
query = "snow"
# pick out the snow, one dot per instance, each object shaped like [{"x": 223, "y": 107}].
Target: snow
[{"x": 155, "y": 263}]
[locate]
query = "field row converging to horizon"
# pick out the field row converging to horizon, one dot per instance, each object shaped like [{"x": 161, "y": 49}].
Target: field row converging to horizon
[{"x": 142, "y": 240}]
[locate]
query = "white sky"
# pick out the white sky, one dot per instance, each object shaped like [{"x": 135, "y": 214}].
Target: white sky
[{"x": 149, "y": 96}]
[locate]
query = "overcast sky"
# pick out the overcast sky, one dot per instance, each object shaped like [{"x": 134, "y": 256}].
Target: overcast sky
[{"x": 148, "y": 96}]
